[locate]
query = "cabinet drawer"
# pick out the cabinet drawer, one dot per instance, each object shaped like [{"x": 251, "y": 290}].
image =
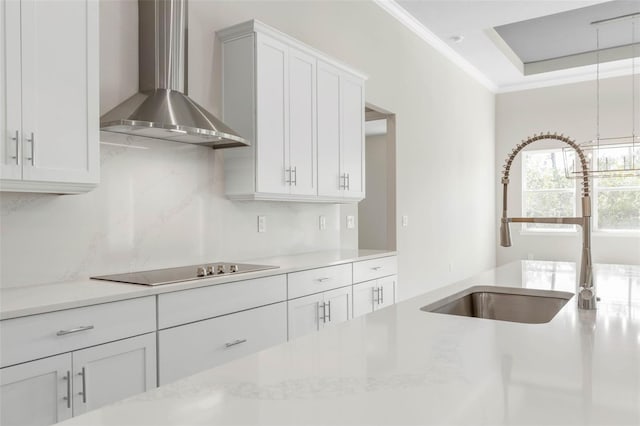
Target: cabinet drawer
[
  {"x": 37, "y": 336},
  {"x": 195, "y": 347},
  {"x": 316, "y": 280},
  {"x": 375, "y": 268},
  {"x": 187, "y": 306}
]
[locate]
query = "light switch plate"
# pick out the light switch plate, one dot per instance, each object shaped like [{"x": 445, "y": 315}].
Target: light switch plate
[
  {"x": 405, "y": 221},
  {"x": 322, "y": 222},
  {"x": 351, "y": 222},
  {"x": 262, "y": 224}
]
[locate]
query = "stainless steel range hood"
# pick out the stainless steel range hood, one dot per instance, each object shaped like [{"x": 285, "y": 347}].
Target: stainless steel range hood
[{"x": 162, "y": 110}]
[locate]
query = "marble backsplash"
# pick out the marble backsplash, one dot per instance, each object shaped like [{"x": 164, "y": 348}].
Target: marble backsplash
[{"x": 159, "y": 204}]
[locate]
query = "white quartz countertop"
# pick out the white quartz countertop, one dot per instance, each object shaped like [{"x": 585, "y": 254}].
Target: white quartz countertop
[
  {"x": 401, "y": 365},
  {"x": 30, "y": 300}
]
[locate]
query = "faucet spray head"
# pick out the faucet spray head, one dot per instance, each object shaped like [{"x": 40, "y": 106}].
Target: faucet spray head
[{"x": 505, "y": 233}]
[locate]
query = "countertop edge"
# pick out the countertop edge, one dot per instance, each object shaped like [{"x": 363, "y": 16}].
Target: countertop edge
[{"x": 123, "y": 291}]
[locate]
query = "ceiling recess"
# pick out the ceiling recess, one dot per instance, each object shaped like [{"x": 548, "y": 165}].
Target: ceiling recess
[{"x": 568, "y": 39}]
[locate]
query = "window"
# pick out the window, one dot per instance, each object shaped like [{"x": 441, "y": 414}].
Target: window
[
  {"x": 616, "y": 200},
  {"x": 546, "y": 191}
]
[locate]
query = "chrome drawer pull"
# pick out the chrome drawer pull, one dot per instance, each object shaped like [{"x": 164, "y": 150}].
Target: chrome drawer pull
[
  {"x": 74, "y": 330},
  {"x": 382, "y": 295},
  {"x": 235, "y": 342},
  {"x": 329, "y": 305},
  {"x": 68, "y": 397},
  {"x": 376, "y": 268},
  {"x": 324, "y": 279}
]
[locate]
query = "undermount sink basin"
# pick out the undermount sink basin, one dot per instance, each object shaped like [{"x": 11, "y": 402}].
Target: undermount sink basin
[{"x": 503, "y": 303}]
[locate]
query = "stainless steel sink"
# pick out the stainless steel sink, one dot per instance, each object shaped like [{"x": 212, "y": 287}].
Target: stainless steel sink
[{"x": 503, "y": 303}]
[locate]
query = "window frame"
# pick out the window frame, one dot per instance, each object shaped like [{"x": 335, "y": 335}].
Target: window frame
[
  {"x": 595, "y": 190},
  {"x": 546, "y": 229}
]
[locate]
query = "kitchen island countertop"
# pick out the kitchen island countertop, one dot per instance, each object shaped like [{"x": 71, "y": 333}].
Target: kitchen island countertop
[{"x": 401, "y": 365}]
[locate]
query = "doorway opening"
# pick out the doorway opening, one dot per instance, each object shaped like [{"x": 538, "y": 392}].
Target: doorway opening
[{"x": 377, "y": 212}]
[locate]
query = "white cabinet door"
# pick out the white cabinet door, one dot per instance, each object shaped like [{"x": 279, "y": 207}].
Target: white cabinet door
[
  {"x": 195, "y": 347},
  {"x": 311, "y": 313},
  {"x": 371, "y": 295},
  {"x": 10, "y": 87},
  {"x": 387, "y": 287},
  {"x": 330, "y": 181},
  {"x": 302, "y": 120},
  {"x": 272, "y": 114},
  {"x": 36, "y": 393},
  {"x": 59, "y": 90},
  {"x": 305, "y": 315},
  {"x": 108, "y": 373},
  {"x": 338, "y": 305},
  {"x": 352, "y": 140},
  {"x": 365, "y": 296}
]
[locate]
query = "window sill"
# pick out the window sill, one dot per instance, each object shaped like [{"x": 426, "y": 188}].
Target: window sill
[
  {"x": 550, "y": 233},
  {"x": 618, "y": 234}
]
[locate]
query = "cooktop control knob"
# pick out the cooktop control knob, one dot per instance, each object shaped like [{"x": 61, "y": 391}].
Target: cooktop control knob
[
  {"x": 202, "y": 271},
  {"x": 220, "y": 269},
  {"x": 210, "y": 270},
  {"x": 233, "y": 268}
]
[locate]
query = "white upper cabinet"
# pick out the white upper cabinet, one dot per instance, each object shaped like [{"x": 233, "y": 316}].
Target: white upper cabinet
[
  {"x": 272, "y": 88},
  {"x": 49, "y": 92}
]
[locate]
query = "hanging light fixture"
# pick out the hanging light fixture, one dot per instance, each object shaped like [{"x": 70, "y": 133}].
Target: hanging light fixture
[{"x": 612, "y": 156}]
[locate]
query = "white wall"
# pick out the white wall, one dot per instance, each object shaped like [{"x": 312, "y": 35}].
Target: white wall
[
  {"x": 165, "y": 205},
  {"x": 568, "y": 109}
]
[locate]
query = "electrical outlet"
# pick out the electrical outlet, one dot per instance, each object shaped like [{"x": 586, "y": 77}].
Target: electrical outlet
[
  {"x": 351, "y": 222},
  {"x": 405, "y": 221},
  {"x": 262, "y": 224},
  {"x": 323, "y": 222}
]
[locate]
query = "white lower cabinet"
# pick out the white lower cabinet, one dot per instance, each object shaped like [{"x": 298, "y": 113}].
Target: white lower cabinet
[
  {"x": 36, "y": 393},
  {"x": 190, "y": 348},
  {"x": 52, "y": 389},
  {"x": 311, "y": 313},
  {"x": 373, "y": 295}
]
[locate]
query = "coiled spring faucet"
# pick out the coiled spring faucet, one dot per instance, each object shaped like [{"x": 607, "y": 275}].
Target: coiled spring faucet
[{"x": 586, "y": 292}]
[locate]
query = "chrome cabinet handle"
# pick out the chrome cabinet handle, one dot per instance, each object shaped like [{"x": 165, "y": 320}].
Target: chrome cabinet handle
[
  {"x": 342, "y": 181},
  {"x": 74, "y": 330},
  {"x": 382, "y": 295},
  {"x": 32, "y": 141},
  {"x": 83, "y": 373},
  {"x": 287, "y": 172},
  {"x": 329, "y": 306},
  {"x": 295, "y": 176},
  {"x": 68, "y": 397},
  {"x": 322, "y": 318},
  {"x": 348, "y": 182},
  {"x": 375, "y": 295},
  {"x": 376, "y": 268},
  {"x": 235, "y": 342},
  {"x": 323, "y": 279},
  {"x": 17, "y": 141}
]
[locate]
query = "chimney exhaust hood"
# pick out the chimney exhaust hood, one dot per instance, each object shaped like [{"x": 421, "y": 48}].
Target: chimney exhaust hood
[{"x": 161, "y": 109}]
